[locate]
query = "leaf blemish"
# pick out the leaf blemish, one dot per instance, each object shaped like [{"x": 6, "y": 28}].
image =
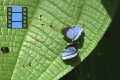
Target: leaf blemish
[
  {"x": 36, "y": 39},
  {"x": 42, "y": 24},
  {"x": 51, "y": 26},
  {"x": 29, "y": 64},
  {"x": 40, "y": 15},
  {"x": 5, "y": 50}
]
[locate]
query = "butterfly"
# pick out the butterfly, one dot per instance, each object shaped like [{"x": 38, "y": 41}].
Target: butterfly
[
  {"x": 69, "y": 52},
  {"x": 72, "y": 33}
]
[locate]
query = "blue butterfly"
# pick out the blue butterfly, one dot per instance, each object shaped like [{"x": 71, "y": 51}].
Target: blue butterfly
[
  {"x": 69, "y": 52},
  {"x": 72, "y": 33}
]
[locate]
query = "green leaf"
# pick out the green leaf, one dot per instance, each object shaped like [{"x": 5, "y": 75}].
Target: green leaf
[{"x": 35, "y": 52}]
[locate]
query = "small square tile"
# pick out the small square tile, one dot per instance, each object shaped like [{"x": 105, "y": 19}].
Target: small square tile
[
  {"x": 24, "y": 9},
  {"x": 24, "y": 17},
  {"x": 16, "y": 16},
  {"x": 24, "y": 21},
  {"x": 16, "y": 24},
  {"x": 9, "y": 21},
  {"x": 9, "y": 17},
  {"x": 9, "y": 8},
  {"x": 24, "y": 13},
  {"x": 9, "y": 13},
  {"x": 16, "y": 9},
  {"x": 24, "y": 25},
  {"x": 9, "y": 25}
]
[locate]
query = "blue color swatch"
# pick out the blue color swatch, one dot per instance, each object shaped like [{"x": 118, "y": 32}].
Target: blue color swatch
[
  {"x": 16, "y": 9},
  {"x": 16, "y": 16},
  {"x": 19, "y": 24}
]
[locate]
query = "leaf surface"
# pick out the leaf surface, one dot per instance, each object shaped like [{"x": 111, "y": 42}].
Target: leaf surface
[{"x": 35, "y": 51}]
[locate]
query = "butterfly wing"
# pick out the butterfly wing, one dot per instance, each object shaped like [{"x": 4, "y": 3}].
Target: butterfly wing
[
  {"x": 67, "y": 32},
  {"x": 70, "y": 52},
  {"x": 77, "y": 30},
  {"x": 68, "y": 55},
  {"x": 70, "y": 34}
]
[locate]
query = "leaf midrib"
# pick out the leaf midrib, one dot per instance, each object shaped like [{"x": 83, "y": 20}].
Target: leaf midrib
[{"x": 25, "y": 35}]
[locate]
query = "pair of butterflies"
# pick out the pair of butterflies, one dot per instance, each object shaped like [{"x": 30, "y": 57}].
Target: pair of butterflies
[{"x": 73, "y": 34}]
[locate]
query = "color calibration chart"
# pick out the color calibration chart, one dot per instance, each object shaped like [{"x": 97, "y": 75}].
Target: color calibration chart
[{"x": 17, "y": 17}]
